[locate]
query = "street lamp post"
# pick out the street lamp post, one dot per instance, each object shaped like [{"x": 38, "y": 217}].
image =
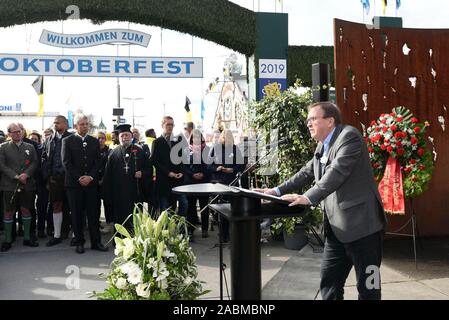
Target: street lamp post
[{"x": 133, "y": 100}]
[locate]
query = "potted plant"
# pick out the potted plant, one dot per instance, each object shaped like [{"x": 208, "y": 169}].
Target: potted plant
[
  {"x": 294, "y": 230},
  {"x": 287, "y": 113}
]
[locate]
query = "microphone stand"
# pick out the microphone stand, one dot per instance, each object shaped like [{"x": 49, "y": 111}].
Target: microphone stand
[
  {"x": 239, "y": 176},
  {"x": 222, "y": 266}
]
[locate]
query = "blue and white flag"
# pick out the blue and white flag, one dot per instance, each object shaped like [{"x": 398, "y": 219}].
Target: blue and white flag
[
  {"x": 366, "y": 5},
  {"x": 398, "y": 4},
  {"x": 203, "y": 109},
  {"x": 70, "y": 117}
]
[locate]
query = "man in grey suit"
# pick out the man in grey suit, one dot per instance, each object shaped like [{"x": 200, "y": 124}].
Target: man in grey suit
[{"x": 354, "y": 219}]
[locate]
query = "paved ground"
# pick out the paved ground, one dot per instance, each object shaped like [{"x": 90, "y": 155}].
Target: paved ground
[
  {"x": 47, "y": 273},
  {"x": 400, "y": 278}
]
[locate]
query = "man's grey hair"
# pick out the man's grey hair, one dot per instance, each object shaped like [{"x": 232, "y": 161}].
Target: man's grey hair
[
  {"x": 79, "y": 117},
  {"x": 11, "y": 125}
]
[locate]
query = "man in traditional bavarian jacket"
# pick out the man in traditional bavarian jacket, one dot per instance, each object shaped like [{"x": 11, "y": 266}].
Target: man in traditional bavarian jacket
[
  {"x": 18, "y": 161},
  {"x": 81, "y": 160}
]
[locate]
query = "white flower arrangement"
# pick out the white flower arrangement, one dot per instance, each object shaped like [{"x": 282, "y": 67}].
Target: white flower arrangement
[{"x": 155, "y": 263}]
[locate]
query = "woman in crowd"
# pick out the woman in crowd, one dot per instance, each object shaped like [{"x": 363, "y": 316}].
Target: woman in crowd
[
  {"x": 104, "y": 154},
  {"x": 226, "y": 162},
  {"x": 196, "y": 171}
]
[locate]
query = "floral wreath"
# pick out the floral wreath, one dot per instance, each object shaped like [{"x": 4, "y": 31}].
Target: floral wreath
[{"x": 400, "y": 135}]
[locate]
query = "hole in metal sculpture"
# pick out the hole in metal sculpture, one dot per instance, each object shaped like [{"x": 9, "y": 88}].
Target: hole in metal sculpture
[
  {"x": 363, "y": 129},
  {"x": 385, "y": 39},
  {"x": 444, "y": 107},
  {"x": 371, "y": 42},
  {"x": 412, "y": 81},
  {"x": 435, "y": 154},
  {"x": 345, "y": 98},
  {"x": 368, "y": 80},
  {"x": 442, "y": 123},
  {"x": 341, "y": 35},
  {"x": 349, "y": 73},
  {"x": 363, "y": 55},
  {"x": 384, "y": 63},
  {"x": 434, "y": 73},
  {"x": 406, "y": 50},
  {"x": 396, "y": 71},
  {"x": 430, "y": 53},
  {"x": 365, "y": 101},
  {"x": 393, "y": 89},
  {"x": 353, "y": 83}
]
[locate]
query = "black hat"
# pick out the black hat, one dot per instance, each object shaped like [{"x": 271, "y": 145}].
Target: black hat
[{"x": 124, "y": 128}]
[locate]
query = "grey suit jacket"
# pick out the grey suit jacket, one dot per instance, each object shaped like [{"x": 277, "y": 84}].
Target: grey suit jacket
[
  {"x": 12, "y": 163},
  {"x": 347, "y": 190}
]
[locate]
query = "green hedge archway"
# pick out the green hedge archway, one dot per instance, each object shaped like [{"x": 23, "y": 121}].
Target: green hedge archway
[{"x": 219, "y": 21}]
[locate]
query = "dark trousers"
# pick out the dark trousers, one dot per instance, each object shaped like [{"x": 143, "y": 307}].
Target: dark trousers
[
  {"x": 66, "y": 216},
  {"x": 42, "y": 209},
  {"x": 108, "y": 210},
  {"x": 1, "y": 210},
  {"x": 338, "y": 258},
  {"x": 19, "y": 218},
  {"x": 33, "y": 217},
  {"x": 192, "y": 214},
  {"x": 84, "y": 201},
  {"x": 171, "y": 202}
]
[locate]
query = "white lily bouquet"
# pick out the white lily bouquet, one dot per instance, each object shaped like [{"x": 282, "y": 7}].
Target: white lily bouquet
[{"x": 156, "y": 263}]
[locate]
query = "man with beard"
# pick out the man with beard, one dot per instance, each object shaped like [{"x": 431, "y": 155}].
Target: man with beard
[
  {"x": 126, "y": 170},
  {"x": 53, "y": 174}
]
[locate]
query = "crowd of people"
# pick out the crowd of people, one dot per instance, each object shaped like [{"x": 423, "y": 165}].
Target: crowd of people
[{"x": 54, "y": 185}]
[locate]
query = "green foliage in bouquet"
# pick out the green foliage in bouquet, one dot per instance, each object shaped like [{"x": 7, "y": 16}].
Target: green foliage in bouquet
[{"x": 156, "y": 263}]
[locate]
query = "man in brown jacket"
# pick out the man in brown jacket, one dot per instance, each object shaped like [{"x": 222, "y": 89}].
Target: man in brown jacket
[{"x": 18, "y": 161}]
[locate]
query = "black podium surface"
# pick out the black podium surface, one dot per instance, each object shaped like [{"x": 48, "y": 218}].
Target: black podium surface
[
  {"x": 244, "y": 213},
  {"x": 268, "y": 210}
]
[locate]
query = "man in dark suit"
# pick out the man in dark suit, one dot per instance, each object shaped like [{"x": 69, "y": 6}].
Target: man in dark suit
[
  {"x": 53, "y": 174},
  {"x": 81, "y": 161},
  {"x": 166, "y": 155},
  {"x": 354, "y": 219}
]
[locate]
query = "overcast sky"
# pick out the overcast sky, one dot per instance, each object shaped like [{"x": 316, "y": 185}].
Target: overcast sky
[{"x": 310, "y": 23}]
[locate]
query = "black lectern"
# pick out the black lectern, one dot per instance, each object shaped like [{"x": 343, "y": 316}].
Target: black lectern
[{"x": 244, "y": 213}]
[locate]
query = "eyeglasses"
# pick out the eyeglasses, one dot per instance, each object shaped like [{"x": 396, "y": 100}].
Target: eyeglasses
[
  {"x": 314, "y": 119},
  {"x": 17, "y": 131}
]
